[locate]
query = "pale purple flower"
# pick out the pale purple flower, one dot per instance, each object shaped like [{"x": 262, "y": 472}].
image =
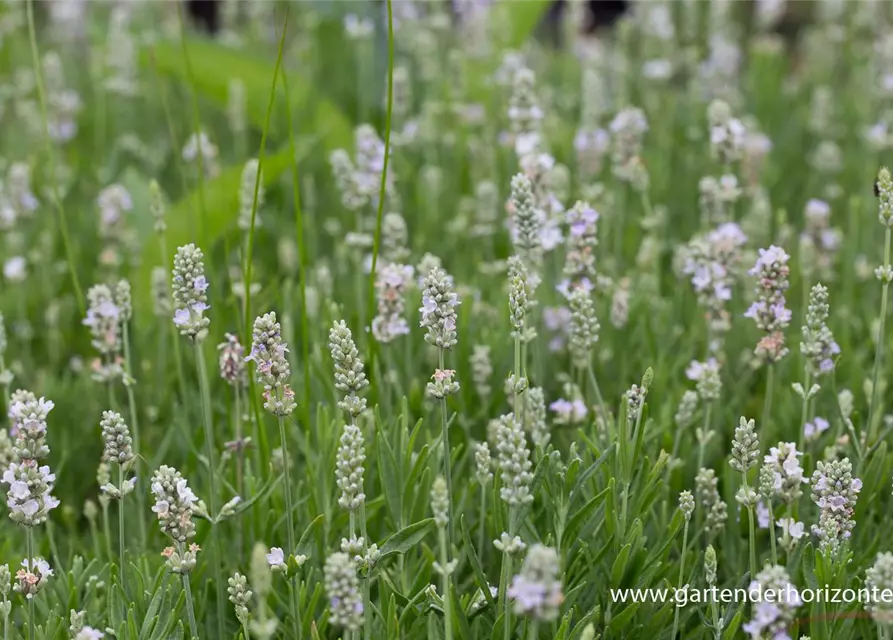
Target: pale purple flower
[
  {"x": 276, "y": 557},
  {"x": 762, "y": 515}
]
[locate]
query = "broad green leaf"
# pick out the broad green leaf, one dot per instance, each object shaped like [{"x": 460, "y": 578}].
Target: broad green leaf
[
  {"x": 519, "y": 19},
  {"x": 406, "y": 538},
  {"x": 311, "y": 528},
  {"x": 388, "y": 472},
  {"x": 473, "y": 560},
  {"x": 619, "y": 566},
  {"x": 214, "y": 66},
  {"x": 622, "y": 619},
  {"x": 581, "y": 518}
]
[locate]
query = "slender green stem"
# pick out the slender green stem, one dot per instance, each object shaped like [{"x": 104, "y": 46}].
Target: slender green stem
[
  {"x": 121, "y": 543},
  {"x": 534, "y": 630},
  {"x": 506, "y": 577},
  {"x": 190, "y": 608},
  {"x": 804, "y": 411},
  {"x": 212, "y": 478},
  {"x": 445, "y": 436},
  {"x": 51, "y": 160},
  {"x": 134, "y": 426},
  {"x": 598, "y": 393},
  {"x": 29, "y": 550},
  {"x": 260, "y": 163},
  {"x": 303, "y": 258},
  {"x": 881, "y": 337},
  {"x": 753, "y": 543},
  {"x": 772, "y": 534},
  {"x": 482, "y": 525},
  {"x": 382, "y": 193},
  {"x": 704, "y": 432},
  {"x": 5, "y": 621},
  {"x": 289, "y": 518},
  {"x": 445, "y": 585},
  {"x": 245, "y": 633},
  {"x": 681, "y": 576},
  {"x": 107, "y": 530},
  {"x": 767, "y": 400}
]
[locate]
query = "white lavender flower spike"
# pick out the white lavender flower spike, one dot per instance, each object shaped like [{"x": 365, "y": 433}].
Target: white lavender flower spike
[{"x": 189, "y": 287}]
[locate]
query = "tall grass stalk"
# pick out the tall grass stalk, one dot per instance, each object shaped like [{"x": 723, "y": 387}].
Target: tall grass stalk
[
  {"x": 681, "y": 576},
  {"x": 51, "y": 162},
  {"x": 134, "y": 424},
  {"x": 121, "y": 539},
  {"x": 29, "y": 554},
  {"x": 881, "y": 338},
  {"x": 190, "y": 607},
  {"x": 289, "y": 522},
  {"x": 210, "y": 452},
  {"x": 447, "y": 463}
]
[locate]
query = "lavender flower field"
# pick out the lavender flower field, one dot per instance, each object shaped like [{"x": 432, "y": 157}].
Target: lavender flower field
[{"x": 423, "y": 320}]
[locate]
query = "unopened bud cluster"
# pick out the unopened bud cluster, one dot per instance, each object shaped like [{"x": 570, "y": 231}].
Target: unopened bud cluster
[{"x": 349, "y": 376}]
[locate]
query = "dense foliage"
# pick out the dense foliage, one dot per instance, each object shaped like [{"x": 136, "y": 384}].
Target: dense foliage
[{"x": 368, "y": 320}]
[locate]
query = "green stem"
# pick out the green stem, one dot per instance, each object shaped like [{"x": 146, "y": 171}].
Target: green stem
[
  {"x": 445, "y": 583},
  {"x": 107, "y": 530},
  {"x": 753, "y": 548},
  {"x": 804, "y": 411},
  {"x": 506, "y": 577},
  {"x": 121, "y": 543},
  {"x": 367, "y": 579},
  {"x": 598, "y": 393},
  {"x": 482, "y": 528},
  {"x": 445, "y": 436},
  {"x": 134, "y": 425},
  {"x": 705, "y": 430},
  {"x": 772, "y": 534},
  {"x": 534, "y": 630},
  {"x": 212, "y": 479},
  {"x": 29, "y": 546},
  {"x": 767, "y": 400},
  {"x": 681, "y": 576},
  {"x": 879, "y": 353},
  {"x": 289, "y": 524},
  {"x": 51, "y": 160},
  {"x": 190, "y": 608}
]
